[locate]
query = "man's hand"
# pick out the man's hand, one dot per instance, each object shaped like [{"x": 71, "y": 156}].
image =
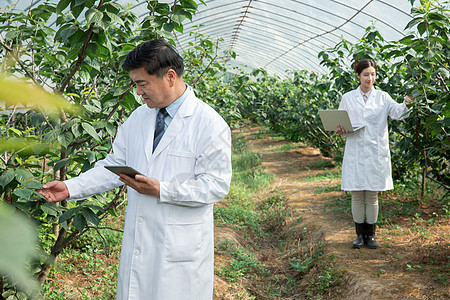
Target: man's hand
[
  {"x": 408, "y": 99},
  {"x": 54, "y": 191},
  {"x": 340, "y": 130},
  {"x": 142, "y": 184}
]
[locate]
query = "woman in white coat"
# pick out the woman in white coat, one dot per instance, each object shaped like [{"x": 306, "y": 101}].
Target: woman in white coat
[{"x": 366, "y": 167}]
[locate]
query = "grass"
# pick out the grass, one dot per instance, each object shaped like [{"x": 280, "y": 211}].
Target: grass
[
  {"x": 286, "y": 147},
  {"x": 89, "y": 268},
  {"x": 327, "y": 175},
  {"x": 404, "y": 216},
  {"x": 269, "y": 263}
]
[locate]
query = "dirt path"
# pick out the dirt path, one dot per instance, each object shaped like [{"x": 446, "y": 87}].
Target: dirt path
[{"x": 400, "y": 268}]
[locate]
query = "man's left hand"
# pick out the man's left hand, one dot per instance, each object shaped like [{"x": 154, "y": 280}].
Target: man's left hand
[{"x": 142, "y": 184}]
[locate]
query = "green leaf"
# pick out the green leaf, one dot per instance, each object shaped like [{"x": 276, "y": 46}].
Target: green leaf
[
  {"x": 50, "y": 209},
  {"x": 68, "y": 214},
  {"x": 91, "y": 156},
  {"x": 178, "y": 18},
  {"x": 62, "y": 4},
  {"x": 168, "y": 26},
  {"x": 6, "y": 178},
  {"x": 91, "y": 108},
  {"x": 120, "y": 90},
  {"x": 111, "y": 129},
  {"x": 428, "y": 54},
  {"x": 414, "y": 22},
  {"x": 79, "y": 2},
  {"x": 80, "y": 222},
  {"x": 129, "y": 102},
  {"x": 22, "y": 175},
  {"x": 60, "y": 163},
  {"x": 24, "y": 194},
  {"x": 421, "y": 28},
  {"x": 112, "y": 7},
  {"x": 76, "y": 8},
  {"x": 12, "y": 35},
  {"x": 33, "y": 184},
  {"x": 16, "y": 131},
  {"x": 407, "y": 40},
  {"x": 65, "y": 139},
  {"x": 93, "y": 15},
  {"x": 66, "y": 33},
  {"x": 115, "y": 18},
  {"x": 76, "y": 130},
  {"x": 90, "y": 130},
  {"x": 52, "y": 135},
  {"x": 90, "y": 216}
]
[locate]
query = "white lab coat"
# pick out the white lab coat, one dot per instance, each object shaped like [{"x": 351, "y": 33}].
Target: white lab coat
[
  {"x": 367, "y": 159},
  {"x": 168, "y": 243}
]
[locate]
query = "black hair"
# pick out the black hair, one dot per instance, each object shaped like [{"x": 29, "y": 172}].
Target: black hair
[
  {"x": 364, "y": 64},
  {"x": 156, "y": 56}
]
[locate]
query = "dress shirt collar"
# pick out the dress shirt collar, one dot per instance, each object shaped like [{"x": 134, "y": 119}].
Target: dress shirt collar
[
  {"x": 367, "y": 94},
  {"x": 174, "y": 106}
]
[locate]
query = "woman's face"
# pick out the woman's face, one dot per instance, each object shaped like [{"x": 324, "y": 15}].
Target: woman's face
[{"x": 367, "y": 78}]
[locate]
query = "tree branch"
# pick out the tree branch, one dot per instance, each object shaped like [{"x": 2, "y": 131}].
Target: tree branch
[{"x": 82, "y": 55}]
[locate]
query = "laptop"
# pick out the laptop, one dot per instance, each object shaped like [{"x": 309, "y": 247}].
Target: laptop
[{"x": 332, "y": 118}]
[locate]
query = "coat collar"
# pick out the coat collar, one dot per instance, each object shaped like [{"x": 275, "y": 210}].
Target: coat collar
[
  {"x": 186, "y": 110},
  {"x": 357, "y": 95}
]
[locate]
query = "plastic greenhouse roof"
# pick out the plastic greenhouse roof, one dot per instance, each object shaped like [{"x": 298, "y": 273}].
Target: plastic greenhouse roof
[{"x": 280, "y": 35}]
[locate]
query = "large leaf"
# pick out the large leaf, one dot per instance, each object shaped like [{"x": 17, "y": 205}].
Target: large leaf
[
  {"x": 90, "y": 216},
  {"x": 18, "y": 246},
  {"x": 24, "y": 194},
  {"x": 52, "y": 135},
  {"x": 50, "y": 209},
  {"x": 65, "y": 139},
  {"x": 15, "y": 91},
  {"x": 22, "y": 175},
  {"x": 66, "y": 33},
  {"x": 80, "y": 222},
  {"x": 60, "y": 163},
  {"x": 62, "y": 4},
  {"x": 6, "y": 177},
  {"x": 93, "y": 15},
  {"x": 68, "y": 214},
  {"x": 90, "y": 130}
]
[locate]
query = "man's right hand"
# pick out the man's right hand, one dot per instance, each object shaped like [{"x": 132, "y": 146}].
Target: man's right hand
[{"x": 54, "y": 191}]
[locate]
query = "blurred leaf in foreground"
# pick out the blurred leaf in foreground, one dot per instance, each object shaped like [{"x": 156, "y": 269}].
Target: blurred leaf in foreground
[
  {"x": 14, "y": 91},
  {"x": 18, "y": 247}
]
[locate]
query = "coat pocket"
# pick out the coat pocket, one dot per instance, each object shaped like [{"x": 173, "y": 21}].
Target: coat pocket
[
  {"x": 180, "y": 166},
  {"x": 183, "y": 242}
]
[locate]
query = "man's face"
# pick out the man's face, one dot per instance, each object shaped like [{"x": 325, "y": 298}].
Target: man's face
[{"x": 154, "y": 91}]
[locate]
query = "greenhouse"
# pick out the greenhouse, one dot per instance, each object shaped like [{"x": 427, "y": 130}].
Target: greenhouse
[{"x": 188, "y": 140}]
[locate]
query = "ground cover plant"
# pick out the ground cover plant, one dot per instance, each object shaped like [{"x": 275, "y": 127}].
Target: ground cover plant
[
  {"x": 412, "y": 260},
  {"x": 264, "y": 255}
]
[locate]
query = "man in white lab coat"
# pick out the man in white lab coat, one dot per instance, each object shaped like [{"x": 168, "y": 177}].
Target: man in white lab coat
[{"x": 168, "y": 241}]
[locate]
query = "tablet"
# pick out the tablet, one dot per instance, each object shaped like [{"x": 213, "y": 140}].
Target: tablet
[
  {"x": 123, "y": 170},
  {"x": 332, "y": 118}
]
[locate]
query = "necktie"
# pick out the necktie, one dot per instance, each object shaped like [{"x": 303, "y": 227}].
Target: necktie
[
  {"x": 159, "y": 127},
  {"x": 365, "y": 97}
]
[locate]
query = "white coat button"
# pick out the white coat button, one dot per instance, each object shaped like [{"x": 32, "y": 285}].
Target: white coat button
[
  {"x": 136, "y": 252},
  {"x": 140, "y": 220}
]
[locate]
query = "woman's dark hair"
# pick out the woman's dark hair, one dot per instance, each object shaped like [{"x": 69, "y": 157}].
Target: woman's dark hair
[
  {"x": 364, "y": 64},
  {"x": 156, "y": 56}
]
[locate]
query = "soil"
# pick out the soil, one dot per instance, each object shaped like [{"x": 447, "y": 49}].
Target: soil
[{"x": 413, "y": 260}]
